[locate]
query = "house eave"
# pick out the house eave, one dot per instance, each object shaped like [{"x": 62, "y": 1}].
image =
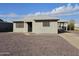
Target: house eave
[
  {"x": 46, "y": 19},
  {"x": 18, "y": 21}
]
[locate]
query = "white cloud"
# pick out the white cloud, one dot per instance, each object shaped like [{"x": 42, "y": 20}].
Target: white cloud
[
  {"x": 58, "y": 10},
  {"x": 62, "y": 10},
  {"x": 12, "y": 15},
  {"x": 68, "y": 9},
  {"x": 8, "y": 15}
]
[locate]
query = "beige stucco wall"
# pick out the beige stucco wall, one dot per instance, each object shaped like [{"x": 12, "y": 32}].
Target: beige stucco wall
[{"x": 38, "y": 27}]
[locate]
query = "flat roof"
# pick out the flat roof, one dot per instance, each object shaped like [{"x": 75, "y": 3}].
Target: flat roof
[
  {"x": 37, "y": 17},
  {"x": 40, "y": 17}
]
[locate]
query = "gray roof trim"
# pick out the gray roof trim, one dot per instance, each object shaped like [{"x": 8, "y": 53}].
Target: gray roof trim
[
  {"x": 46, "y": 19},
  {"x": 18, "y": 21},
  {"x": 62, "y": 22}
]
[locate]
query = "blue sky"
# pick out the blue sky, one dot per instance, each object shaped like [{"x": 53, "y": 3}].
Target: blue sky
[
  {"x": 26, "y": 8},
  {"x": 13, "y": 11}
]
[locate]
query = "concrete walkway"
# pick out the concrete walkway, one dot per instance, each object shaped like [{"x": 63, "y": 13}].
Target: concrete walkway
[{"x": 71, "y": 38}]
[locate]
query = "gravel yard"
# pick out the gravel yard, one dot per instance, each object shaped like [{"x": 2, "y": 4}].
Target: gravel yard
[{"x": 19, "y": 44}]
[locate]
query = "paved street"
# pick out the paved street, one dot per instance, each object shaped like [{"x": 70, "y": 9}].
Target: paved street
[
  {"x": 72, "y": 38},
  {"x": 19, "y": 44}
]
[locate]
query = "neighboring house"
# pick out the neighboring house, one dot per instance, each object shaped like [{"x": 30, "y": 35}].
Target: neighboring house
[
  {"x": 6, "y": 26},
  {"x": 37, "y": 24},
  {"x": 63, "y": 25},
  {"x": 76, "y": 26}
]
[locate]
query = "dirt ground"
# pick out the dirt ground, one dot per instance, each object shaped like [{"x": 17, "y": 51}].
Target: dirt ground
[{"x": 19, "y": 44}]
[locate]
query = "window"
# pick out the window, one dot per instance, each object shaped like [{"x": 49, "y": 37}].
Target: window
[
  {"x": 19, "y": 25},
  {"x": 46, "y": 24}
]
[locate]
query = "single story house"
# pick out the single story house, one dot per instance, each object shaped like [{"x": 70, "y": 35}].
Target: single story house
[
  {"x": 37, "y": 24},
  {"x": 62, "y": 26}
]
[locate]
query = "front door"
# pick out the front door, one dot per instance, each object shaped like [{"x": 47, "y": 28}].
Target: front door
[{"x": 29, "y": 26}]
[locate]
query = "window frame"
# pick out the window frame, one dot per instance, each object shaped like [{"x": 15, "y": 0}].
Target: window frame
[
  {"x": 21, "y": 25},
  {"x": 46, "y": 24}
]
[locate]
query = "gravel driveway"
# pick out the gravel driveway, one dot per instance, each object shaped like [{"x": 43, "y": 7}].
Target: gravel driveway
[{"x": 18, "y": 44}]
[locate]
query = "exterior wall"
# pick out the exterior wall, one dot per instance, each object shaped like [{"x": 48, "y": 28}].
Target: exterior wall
[
  {"x": 25, "y": 27},
  {"x": 38, "y": 27}
]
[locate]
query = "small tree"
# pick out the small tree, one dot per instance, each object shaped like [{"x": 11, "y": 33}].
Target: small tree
[{"x": 71, "y": 25}]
